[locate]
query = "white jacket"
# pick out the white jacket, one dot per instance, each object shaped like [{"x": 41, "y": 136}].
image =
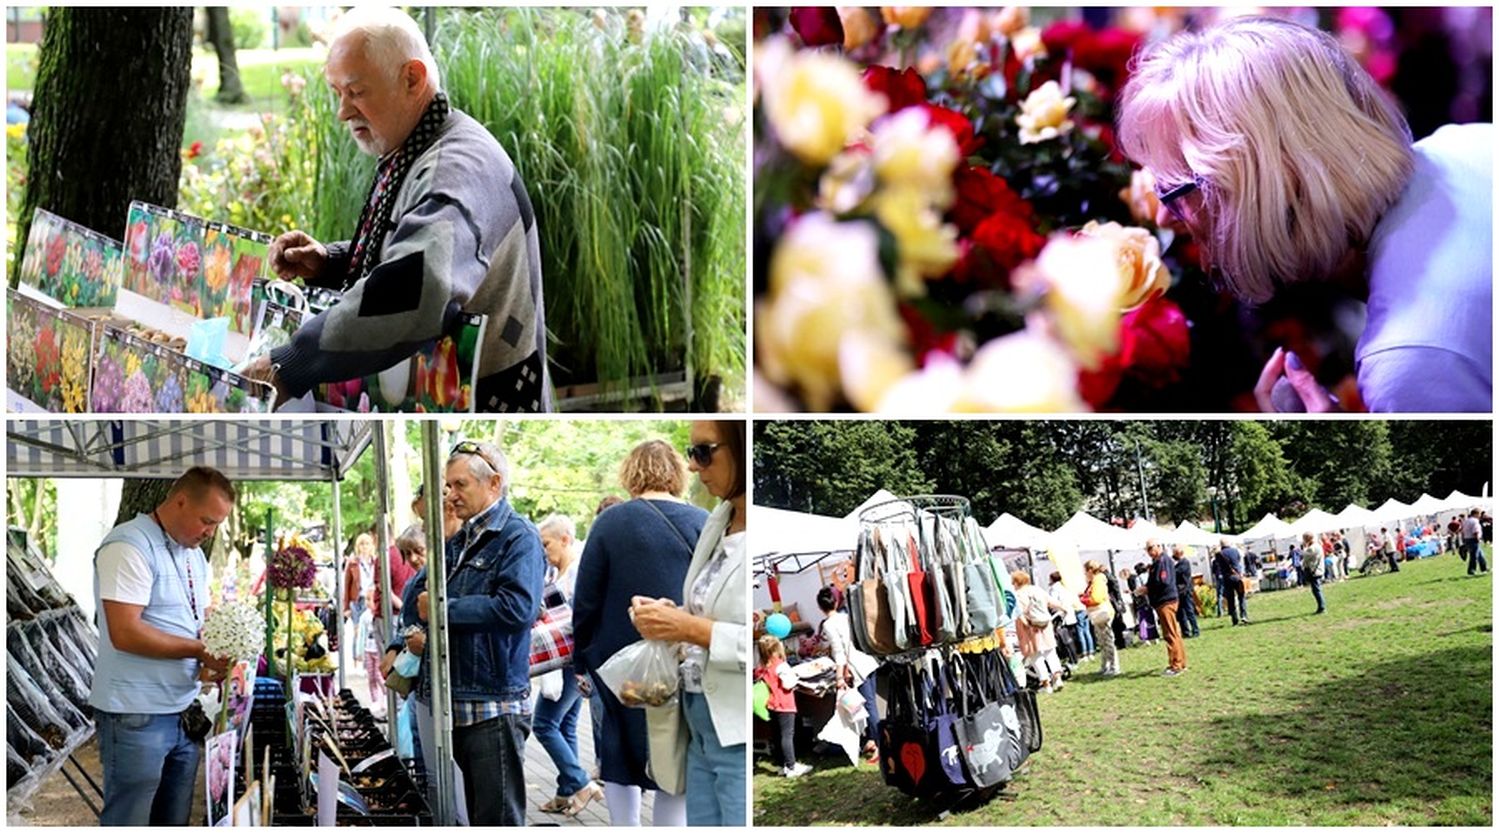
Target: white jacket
[{"x": 726, "y": 675}]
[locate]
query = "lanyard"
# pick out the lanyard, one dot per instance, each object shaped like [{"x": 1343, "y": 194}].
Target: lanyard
[{"x": 192, "y": 589}]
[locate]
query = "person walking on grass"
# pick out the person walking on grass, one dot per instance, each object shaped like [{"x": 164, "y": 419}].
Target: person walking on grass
[
  {"x": 1231, "y": 564},
  {"x": 1387, "y": 549},
  {"x": 1160, "y": 587},
  {"x": 1038, "y": 638},
  {"x": 1472, "y": 531},
  {"x": 779, "y": 677},
  {"x": 1186, "y": 609},
  {"x": 1100, "y": 607},
  {"x": 1314, "y": 571}
]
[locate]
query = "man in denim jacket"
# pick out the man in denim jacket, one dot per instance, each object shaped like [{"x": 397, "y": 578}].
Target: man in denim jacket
[{"x": 495, "y": 565}]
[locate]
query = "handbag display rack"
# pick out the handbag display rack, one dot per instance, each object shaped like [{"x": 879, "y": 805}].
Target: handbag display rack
[{"x": 927, "y": 599}]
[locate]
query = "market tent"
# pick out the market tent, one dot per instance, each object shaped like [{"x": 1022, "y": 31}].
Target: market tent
[
  {"x": 1142, "y": 530},
  {"x": 1393, "y": 510},
  {"x": 1085, "y": 532},
  {"x": 320, "y": 450},
  {"x": 1194, "y": 535},
  {"x": 1315, "y": 522},
  {"x": 1269, "y": 527},
  {"x": 1010, "y": 532},
  {"x": 878, "y": 497},
  {"x": 1354, "y": 516},
  {"x": 1428, "y": 505},
  {"x": 1458, "y": 500},
  {"x": 786, "y": 532}
]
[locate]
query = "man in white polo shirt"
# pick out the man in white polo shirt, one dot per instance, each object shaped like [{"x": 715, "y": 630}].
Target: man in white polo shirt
[{"x": 151, "y": 589}]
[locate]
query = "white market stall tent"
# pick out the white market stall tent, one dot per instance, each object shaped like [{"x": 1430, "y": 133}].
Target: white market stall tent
[{"x": 1010, "y": 532}]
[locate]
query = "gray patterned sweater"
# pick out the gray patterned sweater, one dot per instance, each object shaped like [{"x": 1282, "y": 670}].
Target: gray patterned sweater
[{"x": 464, "y": 240}]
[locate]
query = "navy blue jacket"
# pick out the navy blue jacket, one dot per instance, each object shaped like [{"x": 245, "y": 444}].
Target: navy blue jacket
[
  {"x": 1161, "y": 586},
  {"x": 1183, "y": 576},
  {"x": 1230, "y": 562},
  {"x": 494, "y": 598}
]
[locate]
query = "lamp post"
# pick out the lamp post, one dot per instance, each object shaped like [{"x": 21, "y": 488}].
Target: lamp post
[{"x": 1213, "y": 501}]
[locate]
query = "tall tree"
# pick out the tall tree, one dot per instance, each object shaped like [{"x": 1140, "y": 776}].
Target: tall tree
[
  {"x": 220, "y": 34},
  {"x": 829, "y": 468},
  {"x": 108, "y": 113}
]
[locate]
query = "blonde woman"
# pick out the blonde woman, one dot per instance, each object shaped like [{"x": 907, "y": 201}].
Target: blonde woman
[
  {"x": 1285, "y": 161},
  {"x": 1038, "y": 639},
  {"x": 1101, "y": 616}
]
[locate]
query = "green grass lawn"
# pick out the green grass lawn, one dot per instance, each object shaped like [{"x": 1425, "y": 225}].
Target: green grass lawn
[{"x": 1377, "y": 713}]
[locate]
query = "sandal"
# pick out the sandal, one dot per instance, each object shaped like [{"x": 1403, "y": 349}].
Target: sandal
[
  {"x": 557, "y": 805},
  {"x": 580, "y": 799}
]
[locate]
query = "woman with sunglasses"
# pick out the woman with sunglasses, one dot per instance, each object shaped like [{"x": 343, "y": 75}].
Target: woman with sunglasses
[
  {"x": 713, "y": 626},
  {"x": 639, "y": 548},
  {"x": 1286, "y": 162}
]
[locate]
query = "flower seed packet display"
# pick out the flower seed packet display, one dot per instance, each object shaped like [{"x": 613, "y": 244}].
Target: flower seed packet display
[
  {"x": 136, "y": 376},
  {"x": 68, "y": 263},
  {"x": 439, "y": 378},
  {"x": 47, "y": 356},
  {"x": 181, "y": 269}
]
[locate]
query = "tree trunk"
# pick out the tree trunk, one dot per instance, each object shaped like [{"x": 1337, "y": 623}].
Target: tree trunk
[
  {"x": 35, "y": 527},
  {"x": 140, "y": 497},
  {"x": 109, "y": 108},
  {"x": 221, "y": 35}
]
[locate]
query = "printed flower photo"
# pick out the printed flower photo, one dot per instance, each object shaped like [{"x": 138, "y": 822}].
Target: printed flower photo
[
  {"x": 47, "y": 361},
  {"x": 71, "y": 264},
  {"x": 233, "y": 259},
  {"x": 946, "y": 217},
  {"x": 135, "y": 376}
]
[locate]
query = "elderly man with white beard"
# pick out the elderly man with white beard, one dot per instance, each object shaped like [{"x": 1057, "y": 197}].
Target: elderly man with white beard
[{"x": 447, "y": 227}]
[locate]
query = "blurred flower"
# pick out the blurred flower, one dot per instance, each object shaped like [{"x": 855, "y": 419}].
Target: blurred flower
[
  {"x": 817, "y": 25},
  {"x": 815, "y": 102},
  {"x": 906, "y": 17},
  {"x": 825, "y": 284},
  {"x": 935, "y": 388},
  {"x": 1021, "y": 372},
  {"x": 958, "y": 125},
  {"x": 870, "y": 366},
  {"x": 1011, "y": 19},
  {"x": 847, "y": 182},
  {"x": 194, "y": 150},
  {"x": 1106, "y": 52},
  {"x": 1027, "y": 44},
  {"x": 981, "y": 193},
  {"x": 1008, "y": 239},
  {"x": 293, "y": 82},
  {"x": 1142, "y": 275},
  {"x": 926, "y": 246},
  {"x": 1155, "y": 342},
  {"x": 1078, "y": 279},
  {"x": 1043, "y": 114},
  {"x": 909, "y": 152},
  {"x": 859, "y": 26},
  {"x": 901, "y": 87}
]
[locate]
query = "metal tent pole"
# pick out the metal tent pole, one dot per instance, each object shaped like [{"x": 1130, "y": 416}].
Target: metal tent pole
[
  {"x": 437, "y": 625},
  {"x": 338, "y": 583},
  {"x": 382, "y": 521}
]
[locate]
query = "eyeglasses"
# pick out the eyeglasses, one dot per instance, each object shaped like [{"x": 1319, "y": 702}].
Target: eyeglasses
[
  {"x": 1170, "y": 196},
  {"x": 471, "y": 447},
  {"x": 702, "y": 453}
]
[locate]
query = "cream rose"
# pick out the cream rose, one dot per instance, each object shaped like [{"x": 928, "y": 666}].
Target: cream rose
[
  {"x": 816, "y": 102},
  {"x": 1078, "y": 280},
  {"x": 911, "y": 154},
  {"x": 1142, "y": 275},
  {"x": 825, "y": 284},
  {"x": 1140, "y": 196},
  {"x": 906, "y": 17},
  {"x": 1043, "y": 114},
  {"x": 927, "y": 247}
]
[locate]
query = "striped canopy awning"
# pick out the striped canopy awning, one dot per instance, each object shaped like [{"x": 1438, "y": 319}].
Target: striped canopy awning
[{"x": 322, "y": 450}]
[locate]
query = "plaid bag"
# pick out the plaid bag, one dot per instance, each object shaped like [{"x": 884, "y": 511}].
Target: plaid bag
[{"x": 552, "y": 635}]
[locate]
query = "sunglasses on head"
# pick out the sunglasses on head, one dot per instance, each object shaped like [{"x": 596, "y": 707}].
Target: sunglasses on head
[
  {"x": 702, "y": 453},
  {"x": 471, "y": 447}
]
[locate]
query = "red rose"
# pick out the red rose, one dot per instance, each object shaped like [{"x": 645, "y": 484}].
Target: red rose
[
  {"x": 1064, "y": 35},
  {"x": 958, "y": 125},
  {"x": 1097, "y": 387},
  {"x": 981, "y": 193},
  {"x": 1106, "y": 54},
  {"x": 817, "y": 25},
  {"x": 1154, "y": 342},
  {"x": 1008, "y": 240},
  {"x": 56, "y": 248},
  {"x": 903, "y": 87}
]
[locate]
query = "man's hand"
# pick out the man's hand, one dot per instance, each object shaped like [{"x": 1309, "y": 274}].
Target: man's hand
[
  {"x": 261, "y": 370},
  {"x": 296, "y": 255},
  {"x": 1299, "y": 389},
  {"x": 421, "y": 606},
  {"x": 585, "y": 685},
  {"x": 213, "y": 668},
  {"x": 417, "y": 642}
]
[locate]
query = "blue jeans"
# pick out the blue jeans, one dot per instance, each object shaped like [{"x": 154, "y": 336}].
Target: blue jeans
[
  {"x": 150, "y": 769},
  {"x": 716, "y": 776},
  {"x": 1219, "y": 587},
  {"x": 492, "y": 755},
  {"x": 868, "y": 689},
  {"x": 1475, "y": 558},
  {"x": 556, "y": 726},
  {"x": 1316, "y": 585},
  {"x": 1085, "y": 632}
]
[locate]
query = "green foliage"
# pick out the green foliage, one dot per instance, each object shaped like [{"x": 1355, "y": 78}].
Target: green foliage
[
  {"x": 251, "y": 27},
  {"x": 23, "y": 511},
  {"x": 15, "y": 181},
  {"x": 260, "y": 179},
  {"x": 1043, "y": 472},
  {"x": 1354, "y": 718},
  {"x": 20, "y": 66}
]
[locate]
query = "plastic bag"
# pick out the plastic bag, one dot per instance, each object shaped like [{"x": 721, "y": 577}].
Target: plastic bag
[{"x": 643, "y": 674}]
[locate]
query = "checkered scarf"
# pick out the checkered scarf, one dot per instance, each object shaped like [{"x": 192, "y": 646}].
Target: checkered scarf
[{"x": 375, "y": 221}]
